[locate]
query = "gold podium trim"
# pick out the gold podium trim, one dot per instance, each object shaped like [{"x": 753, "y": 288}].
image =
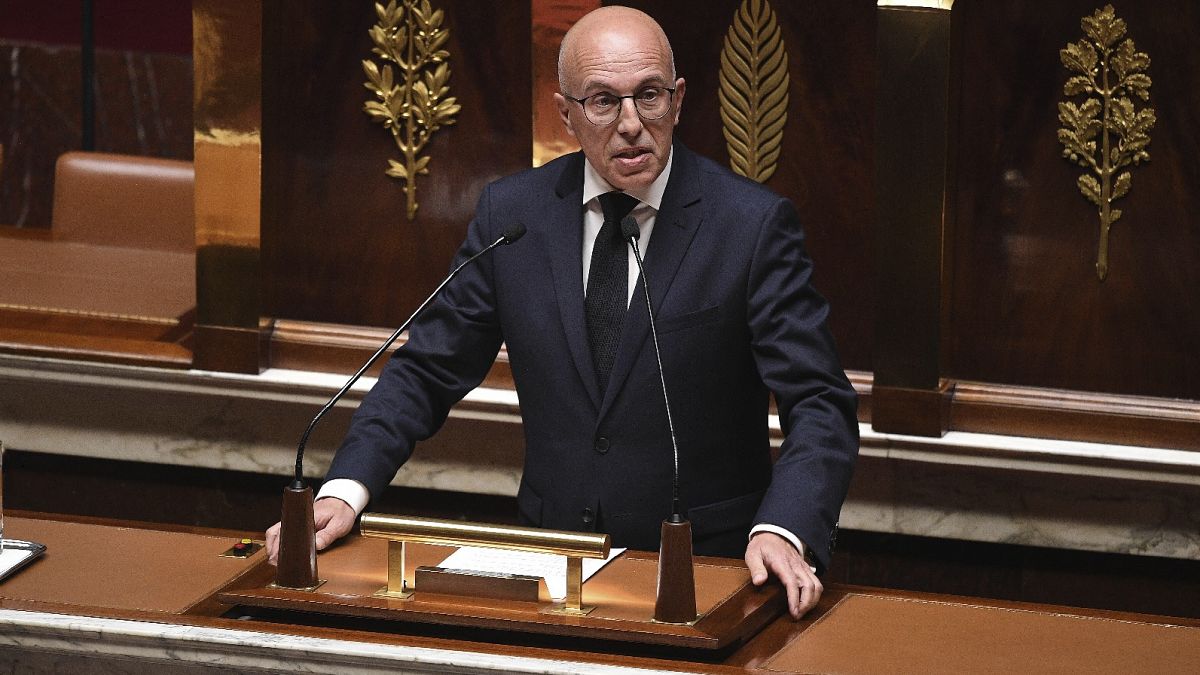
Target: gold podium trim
[{"x": 400, "y": 530}]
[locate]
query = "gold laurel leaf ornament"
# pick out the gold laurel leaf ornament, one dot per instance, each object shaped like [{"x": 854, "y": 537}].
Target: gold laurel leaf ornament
[
  {"x": 1106, "y": 133},
  {"x": 409, "y": 85},
  {"x": 754, "y": 90}
]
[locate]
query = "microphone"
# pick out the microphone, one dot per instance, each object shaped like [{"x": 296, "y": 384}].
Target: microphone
[
  {"x": 630, "y": 231},
  {"x": 297, "y": 531},
  {"x": 675, "y": 601}
]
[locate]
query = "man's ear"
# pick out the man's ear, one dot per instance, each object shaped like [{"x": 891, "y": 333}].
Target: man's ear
[
  {"x": 680, "y": 89},
  {"x": 564, "y": 113}
]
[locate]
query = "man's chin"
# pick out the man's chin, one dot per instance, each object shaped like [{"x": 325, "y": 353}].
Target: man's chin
[{"x": 635, "y": 180}]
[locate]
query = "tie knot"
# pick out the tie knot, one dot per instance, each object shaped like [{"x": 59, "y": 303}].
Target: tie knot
[{"x": 616, "y": 206}]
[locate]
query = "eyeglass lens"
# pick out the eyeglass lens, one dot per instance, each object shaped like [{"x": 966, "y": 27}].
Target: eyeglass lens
[{"x": 651, "y": 103}]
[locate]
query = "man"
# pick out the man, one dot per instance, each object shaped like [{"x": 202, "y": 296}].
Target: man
[{"x": 737, "y": 319}]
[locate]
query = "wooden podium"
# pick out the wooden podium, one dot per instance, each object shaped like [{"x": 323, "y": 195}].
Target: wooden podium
[
  {"x": 731, "y": 609},
  {"x": 119, "y": 593}
]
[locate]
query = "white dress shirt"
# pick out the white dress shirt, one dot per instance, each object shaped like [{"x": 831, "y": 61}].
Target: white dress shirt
[{"x": 645, "y": 213}]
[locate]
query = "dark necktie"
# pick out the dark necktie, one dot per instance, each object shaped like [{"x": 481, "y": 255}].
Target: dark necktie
[{"x": 608, "y": 284}]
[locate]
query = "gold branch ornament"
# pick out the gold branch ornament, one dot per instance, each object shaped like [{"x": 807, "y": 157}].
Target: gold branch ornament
[
  {"x": 1107, "y": 74},
  {"x": 754, "y": 90},
  {"x": 411, "y": 100}
]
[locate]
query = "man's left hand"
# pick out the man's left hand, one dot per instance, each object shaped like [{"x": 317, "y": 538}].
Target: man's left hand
[{"x": 768, "y": 555}]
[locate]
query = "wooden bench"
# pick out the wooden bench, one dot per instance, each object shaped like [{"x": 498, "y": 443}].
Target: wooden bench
[{"x": 114, "y": 276}]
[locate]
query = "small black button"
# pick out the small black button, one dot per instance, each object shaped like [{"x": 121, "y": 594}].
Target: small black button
[
  {"x": 588, "y": 516},
  {"x": 601, "y": 445}
]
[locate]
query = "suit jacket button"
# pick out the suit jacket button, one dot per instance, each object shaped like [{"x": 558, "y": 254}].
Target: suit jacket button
[
  {"x": 601, "y": 445},
  {"x": 588, "y": 516}
]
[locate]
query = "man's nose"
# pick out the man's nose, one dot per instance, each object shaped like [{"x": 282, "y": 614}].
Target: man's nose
[{"x": 629, "y": 122}]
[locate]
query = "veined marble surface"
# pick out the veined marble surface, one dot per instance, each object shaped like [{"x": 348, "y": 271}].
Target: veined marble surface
[
  {"x": 979, "y": 487},
  {"x": 39, "y": 641}
]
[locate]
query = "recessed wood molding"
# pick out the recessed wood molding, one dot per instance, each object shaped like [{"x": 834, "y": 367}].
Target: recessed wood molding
[
  {"x": 337, "y": 348},
  {"x": 954, "y": 406},
  {"x": 230, "y": 349},
  {"x": 1077, "y": 416},
  {"x": 103, "y": 349},
  {"x": 914, "y": 412},
  {"x": 111, "y": 339}
]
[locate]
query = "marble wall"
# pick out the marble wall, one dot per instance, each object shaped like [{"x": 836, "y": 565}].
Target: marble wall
[{"x": 973, "y": 487}]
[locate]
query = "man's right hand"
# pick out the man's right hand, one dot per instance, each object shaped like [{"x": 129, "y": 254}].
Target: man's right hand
[{"x": 334, "y": 519}]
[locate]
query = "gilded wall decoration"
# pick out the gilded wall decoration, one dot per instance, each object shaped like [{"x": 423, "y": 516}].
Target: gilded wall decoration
[
  {"x": 754, "y": 90},
  {"x": 410, "y": 86},
  {"x": 1106, "y": 133}
]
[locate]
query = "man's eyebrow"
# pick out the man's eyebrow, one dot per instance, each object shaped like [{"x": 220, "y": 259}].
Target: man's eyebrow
[{"x": 594, "y": 87}]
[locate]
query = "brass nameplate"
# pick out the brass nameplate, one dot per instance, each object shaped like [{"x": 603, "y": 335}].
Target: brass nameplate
[{"x": 477, "y": 584}]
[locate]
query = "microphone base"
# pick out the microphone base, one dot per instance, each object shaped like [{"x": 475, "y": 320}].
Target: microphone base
[
  {"x": 297, "y": 540},
  {"x": 676, "y": 598}
]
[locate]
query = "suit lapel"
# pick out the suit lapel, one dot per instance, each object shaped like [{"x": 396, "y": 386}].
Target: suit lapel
[
  {"x": 674, "y": 228},
  {"x": 565, "y": 243}
]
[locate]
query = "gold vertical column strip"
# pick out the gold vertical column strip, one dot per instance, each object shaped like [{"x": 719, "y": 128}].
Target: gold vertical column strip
[
  {"x": 574, "y": 583},
  {"x": 396, "y": 567},
  {"x": 227, "y": 57},
  {"x": 551, "y": 19}
]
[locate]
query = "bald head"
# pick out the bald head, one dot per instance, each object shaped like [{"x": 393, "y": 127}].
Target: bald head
[
  {"x": 605, "y": 27},
  {"x": 622, "y": 56}
]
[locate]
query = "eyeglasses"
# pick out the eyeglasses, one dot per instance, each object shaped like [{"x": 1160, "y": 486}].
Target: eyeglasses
[{"x": 604, "y": 108}]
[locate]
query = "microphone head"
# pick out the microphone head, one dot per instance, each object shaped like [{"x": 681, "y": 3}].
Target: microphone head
[
  {"x": 629, "y": 228},
  {"x": 513, "y": 233}
]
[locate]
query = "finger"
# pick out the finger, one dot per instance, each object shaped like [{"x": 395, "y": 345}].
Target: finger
[
  {"x": 337, "y": 524},
  {"x": 758, "y": 570},
  {"x": 810, "y": 594},
  {"x": 324, "y": 538},
  {"x": 783, "y": 570},
  {"x": 322, "y": 516},
  {"x": 792, "y": 584},
  {"x": 272, "y": 543}
]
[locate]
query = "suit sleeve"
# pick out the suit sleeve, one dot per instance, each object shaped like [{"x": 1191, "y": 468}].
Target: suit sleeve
[
  {"x": 449, "y": 351},
  {"x": 797, "y": 360}
]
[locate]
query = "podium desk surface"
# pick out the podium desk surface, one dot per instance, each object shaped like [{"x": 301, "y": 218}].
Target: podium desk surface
[
  {"x": 124, "y": 591},
  {"x": 44, "y": 273}
]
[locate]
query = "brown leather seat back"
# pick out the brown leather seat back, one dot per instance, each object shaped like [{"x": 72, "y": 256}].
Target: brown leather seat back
[{"x": 124, "y": 200}]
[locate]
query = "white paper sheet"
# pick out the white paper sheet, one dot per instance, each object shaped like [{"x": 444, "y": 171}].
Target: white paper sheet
[
  {"x": 552, "y": 568},
  {"x": 12, "y": 557}
]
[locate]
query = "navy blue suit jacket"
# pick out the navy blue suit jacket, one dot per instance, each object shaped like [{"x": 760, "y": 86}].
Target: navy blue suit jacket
[{"x": 737, "y": 319}]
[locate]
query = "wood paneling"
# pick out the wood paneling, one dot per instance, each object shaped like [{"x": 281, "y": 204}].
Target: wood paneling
[
  {"x": 1077, "y": 416},
  {"x": 827, "y": 164},
  {"x": 912, "y": 114},
  {"x": 337, "y": 245},
  {"x": 1027, "y": 306},
  {"x": 144, "y": 107},
  {"x": 228, "y": 147},
  {"x": 1046, "y": 348},
  {"x": 333, "y": 348}
]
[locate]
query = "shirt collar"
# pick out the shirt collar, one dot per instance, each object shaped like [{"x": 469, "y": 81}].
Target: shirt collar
[{"x": 594, "y": 185}]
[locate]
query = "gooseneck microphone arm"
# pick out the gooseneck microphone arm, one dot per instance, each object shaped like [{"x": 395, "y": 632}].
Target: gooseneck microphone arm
[
  {"x": 513, "y": 233},
  {"x": 630, "y": 231}
]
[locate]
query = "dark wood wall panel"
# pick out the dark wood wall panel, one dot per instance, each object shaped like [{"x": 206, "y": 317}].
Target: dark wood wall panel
[
  {"x": 143, "y": 91},
  {"x": 143, "y": 107},
  {"x": 827, "y": 164},
  {"x": 336, "y": 243},
  {"x": 1027, "y": 305}
]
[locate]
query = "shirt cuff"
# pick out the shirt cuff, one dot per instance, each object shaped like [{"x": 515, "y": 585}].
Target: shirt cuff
[
  {"x": 786, "y": 534},
  {"x": 348, "y": 490}
]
